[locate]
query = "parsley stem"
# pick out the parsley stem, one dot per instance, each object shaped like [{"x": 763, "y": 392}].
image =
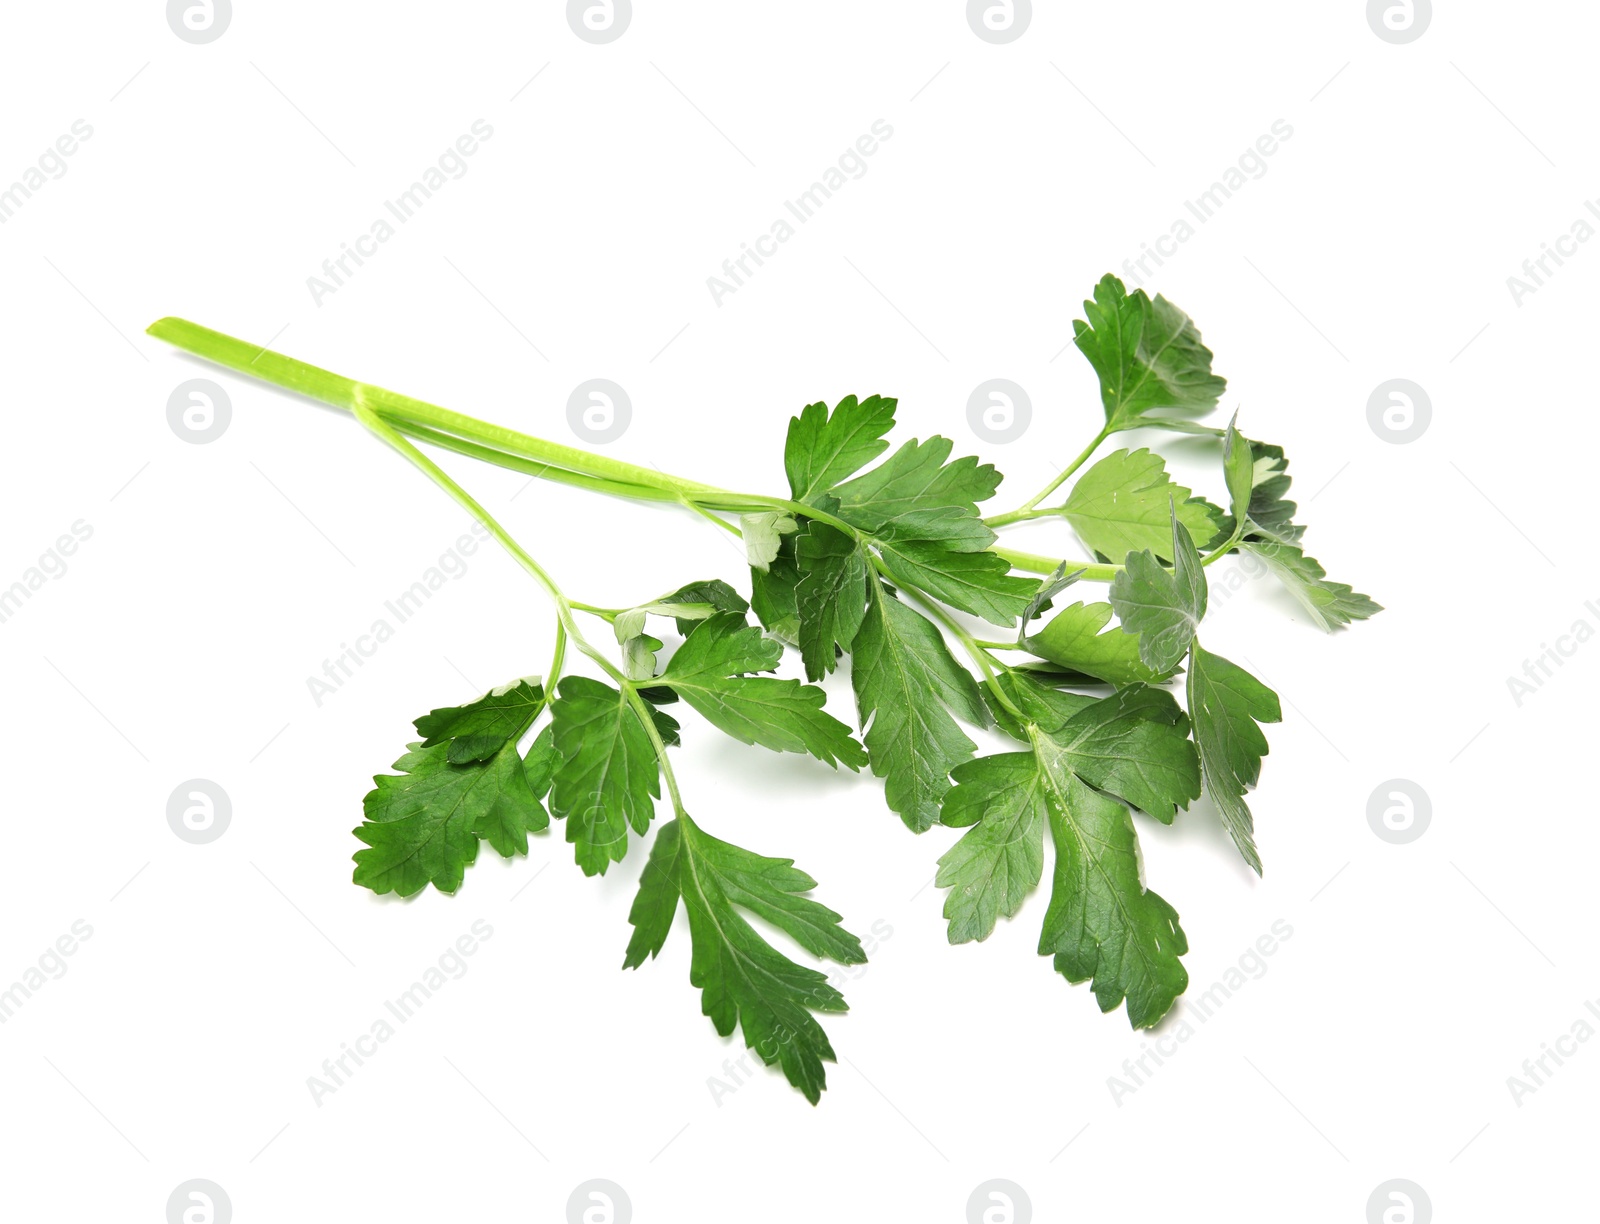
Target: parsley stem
[
  {"x": 567, "y": 625},
  {"x": 1021, "y": 516},
  {"x": 564, "y": 606},
  {"x": 1024, "y": 510},
  {"x": 707, "y": 515},
  {"x": 974, "y": 648},
  {"x": 511, "y": 441},
  {"x": 557, "y": 661},
  {"x": 1216, "y": 554},
  {"x": 405, "y": 413},
  {"x": 642, "y": 711},
  {"x": 542, "y": 471},
  {"x": 1034, "y": 563},
  {"x": 471, "y": 505},
  {"x": 1037, "y": 563},
  {"x": 745, "y": 503}
]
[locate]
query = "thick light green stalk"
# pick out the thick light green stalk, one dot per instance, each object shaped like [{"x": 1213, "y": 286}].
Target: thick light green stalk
[
  {"x": 470, "y": 436},
  {"x": 407, "y": 413},
  {"x": 532, "y": 467}
]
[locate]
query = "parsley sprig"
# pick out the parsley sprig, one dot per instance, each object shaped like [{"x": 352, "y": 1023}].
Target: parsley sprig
[{"x": 879, "y": 557}]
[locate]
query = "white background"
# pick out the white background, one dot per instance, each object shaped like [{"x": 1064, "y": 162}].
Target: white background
[{"x": 219, "y": 577}]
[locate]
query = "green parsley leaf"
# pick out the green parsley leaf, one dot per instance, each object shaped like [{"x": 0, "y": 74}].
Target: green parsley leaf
[
  {"x": 1102, "y": 923},
  {"x": 976, "y": 582},
  {"x": 540, "y": 764},
  {"x": 1331, "y": 604},
  {"x": 743, "y": 979},
  {"x": 1123, "y": 504},
  {"x": 783, "y": 715},
  {"x": 606, "y": 776},
  {"x": 1039, "y": 603},
  {"x": 1238, "y": 467},
  {"x": 698, "y": 601},
  {"x": 1271, "y": 511},
  {"x": 906, "y": 684},
  {"x": 639, "y": 656},
  {"x": 916, "y": 494},
  {"x": 1164, "y": 607},
  {"x": 1135, "y": 745},
  {"x": 422, "y": 827},
  {"x": 763, "y": 536},
  {"x": 1029, "y": 697},
  {"x": 478, "y": 730},
  {"x": 956, "y": 528},
  {"x": 831, "y": 596},
  {"x": 1148, "y": 355},
  {"x": 1073, "y": 639},
  {"x": 774, "y": 595},
  {"x": 1226, "y": 702},
  {"x": 994, "y": 867},
  {"x": 822, "y": 448},
  {"x": 687, "y": 606},
  {"x": 721, "y": 646}
]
